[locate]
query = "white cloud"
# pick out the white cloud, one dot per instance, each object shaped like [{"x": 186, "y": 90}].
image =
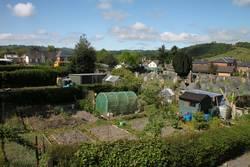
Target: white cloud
[
  {"x": 114, "y": 15},
  {"x": 137, "y": 31},
  {"x": 39, "y": 37},
  {"x": 242, "y": 2},
  {"x": 104, "y": 4},
  {"x": 22, "y": 9},
  {"x": 139, "y": 26},
  {"x": 182, "y": 37},
  {"x": 142, "y": 32},
  {"x": 97, "y": 37}
]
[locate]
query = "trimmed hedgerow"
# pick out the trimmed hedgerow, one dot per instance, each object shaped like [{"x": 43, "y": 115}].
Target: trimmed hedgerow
[
  {"x": 97, "y": 88},
  {"x": 42, "y": 96},
  {"x": 208, "y": 149},
  {"x": 30, "y": 78},
  {"x": 20, "y": 67}
]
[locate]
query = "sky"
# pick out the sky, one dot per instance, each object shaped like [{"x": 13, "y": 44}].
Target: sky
[{"x": 124, "y": 24}]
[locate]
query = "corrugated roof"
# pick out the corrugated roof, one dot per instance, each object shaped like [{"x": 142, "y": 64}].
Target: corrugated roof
[
  {"x": 88, "y": 74},
  {"x": 189, "y": 96},
  {"x": 111, "y": 78},
  {"x": 210, "y": 94}
]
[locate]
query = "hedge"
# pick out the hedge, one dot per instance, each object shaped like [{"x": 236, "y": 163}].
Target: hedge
[
  {"x": 30, "y": 78},
  {"x": 42, "y": 96},
  {"x": 210, "y": 148},
  {"x": 20, "y": 67},
  {"x": 97, "y": 88}
]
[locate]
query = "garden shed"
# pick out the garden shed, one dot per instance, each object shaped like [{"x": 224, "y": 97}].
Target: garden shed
[
  {"x": 192, "y": 102},
  {"x": 87, "y": 78},
  {"x": 116, "y": 102}
]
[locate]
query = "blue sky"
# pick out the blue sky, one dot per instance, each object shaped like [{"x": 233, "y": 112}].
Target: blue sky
[{"x": 124, "y": 24}]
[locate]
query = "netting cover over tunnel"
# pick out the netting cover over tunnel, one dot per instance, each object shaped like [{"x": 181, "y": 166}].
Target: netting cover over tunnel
[{"x": 116, "y": 102}]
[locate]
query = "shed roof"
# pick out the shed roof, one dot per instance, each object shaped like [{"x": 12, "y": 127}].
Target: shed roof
[
  {"x": 189, "y": 96},
  {"x": 111, "y": 78},
  {"x": 210, "y": 94},
  {"x": 88, "y": 74}
]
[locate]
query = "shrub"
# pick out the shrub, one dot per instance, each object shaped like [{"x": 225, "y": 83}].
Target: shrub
[
  {"x": 97, "y": 88},
  {"x": 42, "y": 96},
  {"x": 30, "y": 77},
  {"x": 87, "y": 103},
  {"x": 59, "y": 156},
  {"x": 20, "y": 67},
  {"x": 27, "y": 78},
  {"x": 199, "y": 121},
  {"x": 211, "y": 148}
]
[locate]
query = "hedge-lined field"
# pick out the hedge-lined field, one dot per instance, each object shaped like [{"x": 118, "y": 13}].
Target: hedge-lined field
[
  {"x": 210, "y": 148},
  {"x": 30, "y": 77},
  {"x": 42, "y": 96}
]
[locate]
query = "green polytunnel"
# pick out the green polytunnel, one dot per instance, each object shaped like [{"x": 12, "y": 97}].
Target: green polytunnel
[{"x": 116, "y": 102}]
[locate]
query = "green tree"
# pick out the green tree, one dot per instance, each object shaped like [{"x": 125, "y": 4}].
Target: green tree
[
  {"x": 84, "y": 57},
  {"x": 51, "y": 48},
  {"x": 110, "y": 60},
  {"x": 182, "y": 64},
  {"x": 106, "y": 57},
  {"x": 12, "y": 135},
  {"x": 162, "y": 54},
  {"x": 132, "y": 59}
]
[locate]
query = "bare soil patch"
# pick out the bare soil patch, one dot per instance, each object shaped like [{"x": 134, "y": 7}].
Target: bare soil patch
[
  {"x": 55, "y": 121},
  {"x": 70, "y": 137},
  {"x": 111, "y": 133},
  {"x": 86, "y": 116},
  {"x": 138, "y": 124},
  {"x": 167, "y": 131}
]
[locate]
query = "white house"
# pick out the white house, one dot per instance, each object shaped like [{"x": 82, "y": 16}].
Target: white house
[{"x": 153, "y": 64}]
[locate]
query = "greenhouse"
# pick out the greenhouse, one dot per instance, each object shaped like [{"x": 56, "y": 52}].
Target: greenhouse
[{"x": 116, "y": 102}]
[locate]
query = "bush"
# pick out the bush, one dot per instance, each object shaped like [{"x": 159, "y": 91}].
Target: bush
[
  {"x": 208, "y": 149},
  {"x": 87, "y": 103},
  {"x": 199, "y": 121},
  {"x": 20, "y": 67},
  {"x": 97, "y": 88},
  {"x": 27, "y": 78},
  {"x": 30, "y": 77},
  {"x": 59, "y": 156},
  {"x": 42, "y": 96}
]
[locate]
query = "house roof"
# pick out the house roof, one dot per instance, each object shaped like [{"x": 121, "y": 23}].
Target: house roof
[
  {"x": 200, "y": 68},
  {"x": 200, "y": 62},
  {"x": 190, "y": 96},
  {"x": 88, "y": 74},
  {"x": 227, "y": 69},
  {"x": 155, "y": 61},
  {"x": 243, "y": 64},
  {"x": 206, "y": 69},
  {"x": 225, "y": 60}
]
